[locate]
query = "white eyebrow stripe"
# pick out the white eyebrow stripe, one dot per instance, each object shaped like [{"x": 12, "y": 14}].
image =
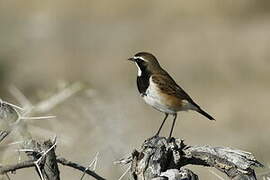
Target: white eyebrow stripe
[{"x": 141, "y": 58}]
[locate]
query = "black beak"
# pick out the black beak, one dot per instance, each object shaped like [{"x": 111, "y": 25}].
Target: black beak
[{"x": 131, "y": 59}]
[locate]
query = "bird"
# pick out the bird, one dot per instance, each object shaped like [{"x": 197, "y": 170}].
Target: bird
[{"x": 159, "y": 90}]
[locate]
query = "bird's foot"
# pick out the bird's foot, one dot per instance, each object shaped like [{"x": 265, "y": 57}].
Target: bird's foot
[
  {"x": 143, "y": 94},
  {"x": 155, "y": 136},
  {"x": 170, "y": 139}
]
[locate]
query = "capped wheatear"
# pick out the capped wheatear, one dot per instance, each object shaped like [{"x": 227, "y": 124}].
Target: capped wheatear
[{"x": 159, "y": 90}]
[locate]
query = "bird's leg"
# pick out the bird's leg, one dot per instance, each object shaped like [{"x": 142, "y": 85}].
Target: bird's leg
[
  {"x": 166, "y": 115},
  {"x": 175, "y": 116}
]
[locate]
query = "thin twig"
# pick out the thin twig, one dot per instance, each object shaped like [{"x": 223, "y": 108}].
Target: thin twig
[
  {"x": 79, "y": 167},
  {"x": 48, "y": 150},
  {"x": 26, "y": 150},
  {"x": 121, "y": 177},
  {"x": 39, "y": 170},
  {"x": 37, "y": 118},
  {"x": 14, "y": 143},
  {"x": 125, "y": 160},
  {"x": 10, "y": 104},
  {"x": 7, "y": 176},
  {"x": 14, "y": 167},
  {"x": 94, "y": 162}
]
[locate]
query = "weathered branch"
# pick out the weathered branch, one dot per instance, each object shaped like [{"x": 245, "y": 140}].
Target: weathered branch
[
  {"x": 44, "y": 158},
  {"x": 157, "y": 158},
  {"x": 50, "y": 168},
  {"x": 175, "y": 174}
]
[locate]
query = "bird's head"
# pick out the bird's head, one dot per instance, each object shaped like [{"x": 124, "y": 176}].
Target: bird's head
[{"x": 145, "y": 62}]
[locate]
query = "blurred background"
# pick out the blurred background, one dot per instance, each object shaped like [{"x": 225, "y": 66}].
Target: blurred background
[{"x": 218, "y": 51}]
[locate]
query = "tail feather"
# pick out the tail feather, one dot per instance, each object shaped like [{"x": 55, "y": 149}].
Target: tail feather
[{"x": 205, "y": 114}]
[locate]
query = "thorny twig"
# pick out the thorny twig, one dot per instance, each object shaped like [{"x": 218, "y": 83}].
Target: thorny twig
[
  {"x": 126, "y": 171},
  {"x": 13, "y": 114},
  {"x": 43, "y": 154},
  {"x": 35, "y": 152},
  {"x": 63, "y": 161},
  {"x": 94, "y": 162},
  {"x": 79, "y": 167}
]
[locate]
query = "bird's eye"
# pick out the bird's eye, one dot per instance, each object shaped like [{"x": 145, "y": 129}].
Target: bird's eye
[{"x": 139, "y": 59}]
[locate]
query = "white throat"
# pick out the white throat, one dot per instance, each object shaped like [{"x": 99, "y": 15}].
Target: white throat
[{"x": 139, "y": 70}]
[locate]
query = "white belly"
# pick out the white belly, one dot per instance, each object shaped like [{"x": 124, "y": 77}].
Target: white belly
[
  {"x": 153, "y": 98},
  {"x": 152, "y": 101}
]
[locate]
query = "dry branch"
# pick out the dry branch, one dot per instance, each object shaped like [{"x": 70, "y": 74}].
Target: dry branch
[
  {"x": 50, "y": 168},
  {"x": 71, "y": 164},
  {"x": 14, "y": 167},
  {"x": 42, "y": 156},
  {"x": 162, "y": 160}
]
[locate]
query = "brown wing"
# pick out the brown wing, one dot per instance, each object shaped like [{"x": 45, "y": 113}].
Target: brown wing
[{"x": 168, "y": 86}]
